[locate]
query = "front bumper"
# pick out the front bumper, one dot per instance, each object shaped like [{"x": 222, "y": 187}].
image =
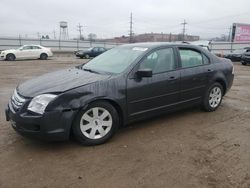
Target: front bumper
[
  {"x": 79, "y": 55},
  {"x": 245, "y": 59},
  {"x": 2, "y": 57},
  {"x": 51, "y": 126},
  {"x": 233, "y": 57}
]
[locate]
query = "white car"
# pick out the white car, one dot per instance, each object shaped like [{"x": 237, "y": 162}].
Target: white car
[{"x": 27, "y": 52}]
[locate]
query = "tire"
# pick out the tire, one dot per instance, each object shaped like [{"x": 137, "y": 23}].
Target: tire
[
  {"x": 88, "y": 126},
  {"x": 213, "y": 97},
  {"x": 43, "y": 56},
  {"x": 10, "y": 57},
  {"x": 243, "y": 63},
  {"x": 87, "y": 56}
]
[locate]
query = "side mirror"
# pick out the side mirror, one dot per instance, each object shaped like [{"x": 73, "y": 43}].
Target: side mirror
[{"x": 144, "y": 73}]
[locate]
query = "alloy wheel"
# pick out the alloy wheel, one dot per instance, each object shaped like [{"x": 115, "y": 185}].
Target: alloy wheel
[
  {"x": 96, "y": 123},
  {"x": 215, "y": 97}
]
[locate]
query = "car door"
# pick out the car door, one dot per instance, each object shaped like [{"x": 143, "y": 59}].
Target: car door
[
  {"x": 154, "y": 94},
  {"x": 101, "y": 50},
  {"x": 36, "y": 52},
  {"x": 95, "y": 52},
  {"x": 195, "y": 73},
  {"x": 25, "y": 52}
]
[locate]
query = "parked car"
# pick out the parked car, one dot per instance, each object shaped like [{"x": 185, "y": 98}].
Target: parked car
[
  {"x": 237, "y": 54},
  {"x": 202, "y": 43},
  {"x": 26, "y": 52},
  {"x": 123, "y": 85},
  {"x": 245, "y": 59},
  {"x": 91, "y": 52}
]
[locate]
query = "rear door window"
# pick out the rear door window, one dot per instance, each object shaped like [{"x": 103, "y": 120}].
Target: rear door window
[{"x": 191, "y": 58}]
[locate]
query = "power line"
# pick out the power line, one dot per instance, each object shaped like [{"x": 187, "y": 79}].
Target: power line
[
  {"x": 220, "y": 18},
  {"x": 184, "y": 29}
]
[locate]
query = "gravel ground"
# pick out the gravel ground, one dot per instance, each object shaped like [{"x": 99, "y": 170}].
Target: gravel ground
[{"x": 189, "y": 148}]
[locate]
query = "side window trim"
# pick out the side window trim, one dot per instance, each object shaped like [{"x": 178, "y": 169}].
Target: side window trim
[
  {"x": 188, "y": 48},
  {"x": 204, "y": 55},
  {"x": 157, "y": 49}
]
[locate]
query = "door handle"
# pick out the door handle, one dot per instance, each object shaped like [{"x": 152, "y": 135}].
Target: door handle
[
  {"x": 209, "y": 70},
  {"x": 172, "y": 78}
]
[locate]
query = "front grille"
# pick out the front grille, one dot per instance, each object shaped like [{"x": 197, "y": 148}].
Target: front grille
[{"x": 17, "y": 101}]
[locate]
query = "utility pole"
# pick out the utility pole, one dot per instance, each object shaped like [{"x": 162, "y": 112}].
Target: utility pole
[
  {"x": 131, "y": 28},
  {"x": 38, "y": 35},
  {"x": 79, "y": 28},
  {"x": 54, "y": 32},
  {"x": 229, "y": 34},
  {"x": 184, "y": 30}
]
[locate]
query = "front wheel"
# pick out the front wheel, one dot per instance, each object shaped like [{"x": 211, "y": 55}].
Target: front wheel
[
  {"x": 97, "y": 124},
  {"x": 87, "y": 56},
  {"x": 243, "y": 63},
  {"x": 10, "y": 57},
  {"x": 213, "y": 97}
]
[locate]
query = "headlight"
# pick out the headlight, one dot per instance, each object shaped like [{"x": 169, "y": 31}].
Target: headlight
[{"x": 39, "y": 103}]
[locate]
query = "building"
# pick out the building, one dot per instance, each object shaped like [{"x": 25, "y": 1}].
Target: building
[{"x": 154, "y": 37}]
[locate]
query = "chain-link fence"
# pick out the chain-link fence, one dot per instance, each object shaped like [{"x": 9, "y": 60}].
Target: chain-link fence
[{"x": 55, "y": 45}]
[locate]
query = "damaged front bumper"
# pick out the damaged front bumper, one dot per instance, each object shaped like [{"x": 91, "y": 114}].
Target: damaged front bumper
[{"x": 51, "y": 126}]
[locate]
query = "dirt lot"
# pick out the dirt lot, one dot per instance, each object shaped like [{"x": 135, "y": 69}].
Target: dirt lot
[{"x": 190, "y": 148}]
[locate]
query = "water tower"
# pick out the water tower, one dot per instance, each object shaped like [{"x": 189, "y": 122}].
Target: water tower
[{"x": 64, "y": 35}]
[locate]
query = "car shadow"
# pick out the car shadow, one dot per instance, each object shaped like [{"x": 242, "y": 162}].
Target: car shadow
[
  {"x": 151, "y": 121},
  {"x": 41, "y": 145}
]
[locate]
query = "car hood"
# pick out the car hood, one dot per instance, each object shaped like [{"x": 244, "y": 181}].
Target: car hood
[
  {"x": 8, "y": 51},
  {"x": 58, "y": 82}
]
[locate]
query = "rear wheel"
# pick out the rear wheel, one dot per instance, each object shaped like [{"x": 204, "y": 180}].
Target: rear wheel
[
  {"x": 243, "y": 63},
  {"x": 43, "y": 56},
  {"x": 213, "y": 97},
  {"x": 97, "y": 124},
  {"x": 10, "y": 57}
]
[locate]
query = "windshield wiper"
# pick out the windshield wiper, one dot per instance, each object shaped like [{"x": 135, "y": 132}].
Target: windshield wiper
[{"x": 90, "y": 70}]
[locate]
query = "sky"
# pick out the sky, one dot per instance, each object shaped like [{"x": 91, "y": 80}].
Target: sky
[{"x": 110, "y": 18}]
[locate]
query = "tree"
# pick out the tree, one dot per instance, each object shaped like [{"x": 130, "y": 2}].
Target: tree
[{"x": 92, "y": 36}]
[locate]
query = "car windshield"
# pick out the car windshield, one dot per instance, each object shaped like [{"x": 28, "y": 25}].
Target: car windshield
[
  {"x": 89, "y": 49},
  {"x": 115, "y": 60},
  {"x": 239, "y": 51},
  {"x": 20, "y": 48}
]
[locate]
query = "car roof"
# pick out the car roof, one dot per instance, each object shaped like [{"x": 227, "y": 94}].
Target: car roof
[
  {"x": 159, "y": 44},
  {"x": 32, "y": 45}
]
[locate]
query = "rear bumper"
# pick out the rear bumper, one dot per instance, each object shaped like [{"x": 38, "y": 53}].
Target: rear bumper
[{"x": 51, "y": 126}]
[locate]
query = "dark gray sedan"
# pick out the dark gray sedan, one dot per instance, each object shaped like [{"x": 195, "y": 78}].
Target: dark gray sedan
[{"x": 123, "y": 85}]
